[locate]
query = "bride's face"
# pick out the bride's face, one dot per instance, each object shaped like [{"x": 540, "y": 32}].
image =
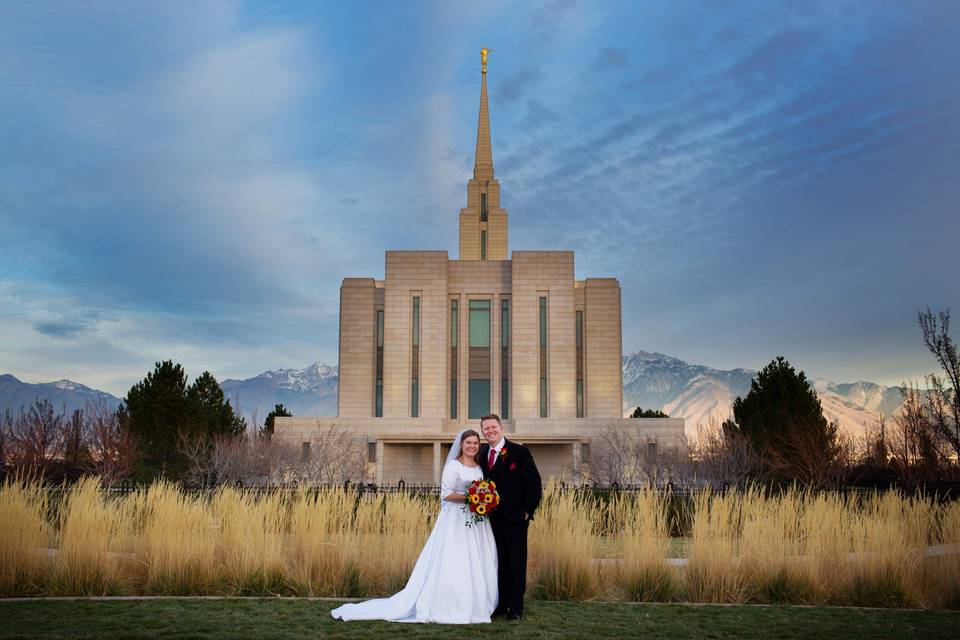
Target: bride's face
[{"x": 470, "y": 446}]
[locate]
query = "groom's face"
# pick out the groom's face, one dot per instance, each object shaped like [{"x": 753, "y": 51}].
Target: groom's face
[{"x": 492, "y": 431}]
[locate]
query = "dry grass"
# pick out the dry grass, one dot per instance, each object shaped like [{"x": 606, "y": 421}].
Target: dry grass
[
  {"x": 322, "y": 561},
  {"x": 742, "y": 547},
  {"x": 883, "y": 535},
  {"x": 252, "y": 540},
  {"x": 713, "y": 572},
  {"x": 639, "y": 522},
  {"x": 25, "y": 535},
  {"x": 92, "y": 543},
  {"x": 562, "y": 543},
  {"x": 944, "y": 571},
  {"x": 176, "y": 541}
]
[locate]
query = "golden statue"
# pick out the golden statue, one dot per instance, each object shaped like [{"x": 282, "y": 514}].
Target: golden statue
[{"x": 483, "y": 59}]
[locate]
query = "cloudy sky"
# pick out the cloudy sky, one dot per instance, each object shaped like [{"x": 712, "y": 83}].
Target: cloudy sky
[{"x": 191, "y": 180}]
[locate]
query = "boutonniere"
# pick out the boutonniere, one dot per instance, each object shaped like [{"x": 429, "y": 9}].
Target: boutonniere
[
  {"x": 513, "y": 465},
  {"x": 503, "y": 452}
]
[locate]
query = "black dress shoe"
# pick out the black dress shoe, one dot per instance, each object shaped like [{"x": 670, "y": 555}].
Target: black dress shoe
[
  {"x": 499, "y": 611},
  {"x": 513, "y": 617}
]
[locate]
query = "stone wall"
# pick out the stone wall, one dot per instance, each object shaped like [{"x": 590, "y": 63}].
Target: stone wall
[
  {"x": 537, "y": 274},
  {"x": 422, "y": 274},
  {"x": 603, "y": 376},
  {"x": 357, "y": 347}
]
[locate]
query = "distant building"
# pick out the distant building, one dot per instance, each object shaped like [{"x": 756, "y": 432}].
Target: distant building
[{"x": 438, "y": 342}]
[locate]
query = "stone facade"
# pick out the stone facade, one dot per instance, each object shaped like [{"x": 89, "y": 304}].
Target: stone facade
[{"x": 439, "y": 341}]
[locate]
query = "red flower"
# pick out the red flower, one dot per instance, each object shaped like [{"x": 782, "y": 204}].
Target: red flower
[{"x": 513, "y": 465}]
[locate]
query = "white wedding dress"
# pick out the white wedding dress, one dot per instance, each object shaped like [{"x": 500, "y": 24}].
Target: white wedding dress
[{"x": 455, "y": 578}]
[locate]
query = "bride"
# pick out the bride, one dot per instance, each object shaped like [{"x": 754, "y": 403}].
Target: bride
[{"x": 455, "y": 578}]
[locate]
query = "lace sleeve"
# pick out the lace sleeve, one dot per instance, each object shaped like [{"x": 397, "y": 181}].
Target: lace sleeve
[{"x": 448, "y": 482}]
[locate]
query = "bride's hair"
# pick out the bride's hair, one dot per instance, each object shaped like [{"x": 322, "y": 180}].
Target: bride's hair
[{"x": 466, "y": 434}]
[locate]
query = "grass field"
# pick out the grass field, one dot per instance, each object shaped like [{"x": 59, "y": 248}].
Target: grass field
[
  {"x": 302, "y": 618},
  {"x": 739, "y": 547}
]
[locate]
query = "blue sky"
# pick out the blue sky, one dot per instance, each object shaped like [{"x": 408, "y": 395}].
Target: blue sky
[{"x": 191, "y": 180}]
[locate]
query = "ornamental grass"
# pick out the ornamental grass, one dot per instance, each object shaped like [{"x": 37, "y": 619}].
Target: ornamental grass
[
  {"x": 639, "y": 523},
  {"x": 562, "y": 546},
  {"x": 93, "y": 543},
  {"x": 713, "y": 572},
  {"x": 24, "y": 538},
  {"x": 321, "y": 560},
  {"x": 176, "y": 542},
  {"x": 792, "y": 547},
  {"x": 252, "y": 540}
]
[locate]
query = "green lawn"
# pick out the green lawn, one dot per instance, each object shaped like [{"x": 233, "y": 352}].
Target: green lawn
[{"x": 297, "y": 618}]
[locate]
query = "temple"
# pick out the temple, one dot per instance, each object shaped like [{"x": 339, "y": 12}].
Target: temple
[{"x": 438, "y": 343}]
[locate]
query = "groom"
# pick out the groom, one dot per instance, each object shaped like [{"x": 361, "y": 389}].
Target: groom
[{"x": 511, "y": 467}]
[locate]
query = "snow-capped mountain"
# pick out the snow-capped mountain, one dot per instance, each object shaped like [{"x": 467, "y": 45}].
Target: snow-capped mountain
[
  {"x": 655, "y": 380},
  {"x": 65, "y": 395},
  {"x": 699, "y": 394},
  {"x": 703, "y": 396},
  {"x": 311, "y": 391}
]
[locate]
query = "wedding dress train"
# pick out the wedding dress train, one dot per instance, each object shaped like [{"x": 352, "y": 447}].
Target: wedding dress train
[{"x": 455, "y": 578}]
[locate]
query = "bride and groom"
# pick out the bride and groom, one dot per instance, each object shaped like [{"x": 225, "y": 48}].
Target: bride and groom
[{"x": 469, "y": 574}]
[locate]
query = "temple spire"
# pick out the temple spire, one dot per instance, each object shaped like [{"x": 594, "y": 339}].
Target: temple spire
[{"x": 483, "y": 165}]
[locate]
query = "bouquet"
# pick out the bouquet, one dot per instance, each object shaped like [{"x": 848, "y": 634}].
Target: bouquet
[{"x": 481, "y": 499}]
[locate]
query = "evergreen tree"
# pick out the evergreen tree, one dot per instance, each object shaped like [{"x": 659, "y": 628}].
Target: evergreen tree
[
  {"x": 278, "y": 411},
  {"x": 161, "y": 409},
  {"x": 156, "y": 410},
  {"x": 648, "y": 413},
  {"x": 782, "y": 418},
  {"x": 212, "y": 414}
]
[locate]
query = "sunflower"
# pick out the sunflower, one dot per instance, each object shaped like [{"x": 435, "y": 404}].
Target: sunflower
[
  {"x": 481, "y": 510},
  {"x": 488, "y": 498},
  {"x": 474, "y": 498}
]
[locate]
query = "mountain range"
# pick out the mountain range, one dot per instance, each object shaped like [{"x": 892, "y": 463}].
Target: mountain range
[
  {"x": 311, "y": 391},
  {"x": 699, "y": 394},
  {"x": 66, "y": 396},
  {"x": 704, "y": 396}
]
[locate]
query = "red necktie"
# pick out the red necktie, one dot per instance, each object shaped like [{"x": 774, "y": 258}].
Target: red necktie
[{"x": 492, "y": 458}]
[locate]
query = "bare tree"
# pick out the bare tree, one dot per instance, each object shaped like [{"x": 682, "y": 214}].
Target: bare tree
[
  {"x": 627, "y": 458},
  {"x": 915, "y": 446},
  {"x": 807, "y": 457},
  {"x": 112, "y": 448},
  {"x": 875, "y": 447},
  {"x": 248, "y": 460},
  {"x": 198, "y": 453},
  {"x": 943, "y": 399},
  {"x": 6, "y": 422},
  {"x": 335, "y": 455},
  {"x": 662, "y": 465},
  {"x": 724, "y": 458},
  {"x": 74, "y": 441},
  {"x": 34, "y": 439},
  {"x": 613, "y": 457}
]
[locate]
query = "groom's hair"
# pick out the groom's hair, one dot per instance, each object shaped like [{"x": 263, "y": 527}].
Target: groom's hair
[{"x": 491, "y": 416}]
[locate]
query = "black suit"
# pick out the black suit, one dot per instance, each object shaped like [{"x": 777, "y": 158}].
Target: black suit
[{"x": 518, "y": 483}]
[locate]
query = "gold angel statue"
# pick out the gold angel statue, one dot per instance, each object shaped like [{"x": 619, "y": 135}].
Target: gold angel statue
[{"x": 483, "y": 58}]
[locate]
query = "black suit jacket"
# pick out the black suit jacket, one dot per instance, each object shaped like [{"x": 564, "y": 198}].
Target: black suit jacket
[{"x": 517, "y": 480}]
